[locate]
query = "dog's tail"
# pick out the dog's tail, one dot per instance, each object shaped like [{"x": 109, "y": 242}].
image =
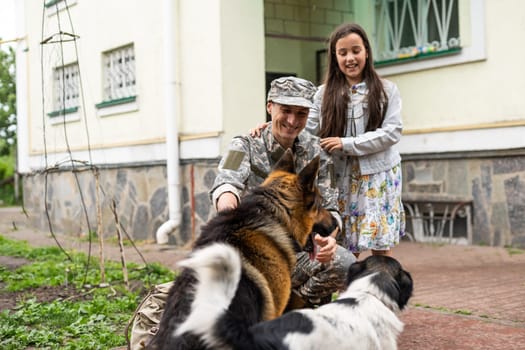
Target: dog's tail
[{"x": 218, "y": 271}]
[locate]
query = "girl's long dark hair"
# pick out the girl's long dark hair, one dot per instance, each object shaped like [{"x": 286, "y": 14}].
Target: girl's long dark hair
[{"x": 336, "y": 98}]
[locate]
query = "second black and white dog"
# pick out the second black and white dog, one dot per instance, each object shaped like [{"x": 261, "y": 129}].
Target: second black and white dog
[{"x": 363, "y": 317}]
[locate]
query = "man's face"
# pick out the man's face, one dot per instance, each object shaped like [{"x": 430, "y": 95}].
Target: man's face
[{"x": 287, "y": 122}]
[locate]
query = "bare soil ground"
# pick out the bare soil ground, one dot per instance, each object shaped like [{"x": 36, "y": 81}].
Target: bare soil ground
[{"x": 9, "y": 300}]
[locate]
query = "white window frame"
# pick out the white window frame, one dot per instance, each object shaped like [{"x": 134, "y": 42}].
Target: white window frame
[{"x": 472, "y": 34}]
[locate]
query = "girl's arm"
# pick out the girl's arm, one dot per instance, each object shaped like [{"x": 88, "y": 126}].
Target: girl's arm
[{"x": 383, "y": 137}]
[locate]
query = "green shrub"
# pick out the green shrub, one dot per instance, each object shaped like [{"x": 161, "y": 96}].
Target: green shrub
[
  {"x": 7, "y": 190},
  {"x": 7, "y": 166}
]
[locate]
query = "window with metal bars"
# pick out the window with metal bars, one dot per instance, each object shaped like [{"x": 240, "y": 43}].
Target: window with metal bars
[
  {"x": 119, "y": 74},
  {"x": 66, "y": 87},
  {"x": 407, "y": 30}
]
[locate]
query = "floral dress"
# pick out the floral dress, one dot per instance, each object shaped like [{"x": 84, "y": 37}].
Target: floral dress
[{"x": 372, "y": 212}]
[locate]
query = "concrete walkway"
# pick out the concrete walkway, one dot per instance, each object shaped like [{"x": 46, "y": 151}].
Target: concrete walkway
[{"x": 465, "y": 297}]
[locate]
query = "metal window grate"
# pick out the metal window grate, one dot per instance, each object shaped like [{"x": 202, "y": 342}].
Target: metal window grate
[
  {"x": 119, "y": 73},
  {"x": 409, "y": 28},
  {"x": 67, "y": 87}
]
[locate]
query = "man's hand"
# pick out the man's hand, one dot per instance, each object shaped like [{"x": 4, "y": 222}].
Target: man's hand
[
  {"x": 227, "y": 200},
  {"x": 327, "y": 247}
]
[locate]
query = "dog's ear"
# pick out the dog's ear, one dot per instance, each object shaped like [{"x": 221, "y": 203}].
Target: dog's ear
[
  {"x": 286, "y": 162},
  {"x": 308, "y": 175},
  {"x": 354, "y": 271},
  {"x": 406, "y": 286}
]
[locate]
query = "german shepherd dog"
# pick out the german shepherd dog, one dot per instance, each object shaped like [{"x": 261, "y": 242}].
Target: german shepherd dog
[
  {"x": 363, "y": 317},
  {"x": 271, "y": 224}
]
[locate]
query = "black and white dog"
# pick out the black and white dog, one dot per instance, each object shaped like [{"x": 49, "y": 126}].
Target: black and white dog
[{"x": 363, "y": 317}]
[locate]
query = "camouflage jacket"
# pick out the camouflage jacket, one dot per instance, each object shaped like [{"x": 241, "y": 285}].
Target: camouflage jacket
[{"x": 250, "y": 159}]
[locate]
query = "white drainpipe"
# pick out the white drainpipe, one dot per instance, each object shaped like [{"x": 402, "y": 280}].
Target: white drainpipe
[
  {"x": 22, "y": 96},
  {"x": 171, "y": 111}
]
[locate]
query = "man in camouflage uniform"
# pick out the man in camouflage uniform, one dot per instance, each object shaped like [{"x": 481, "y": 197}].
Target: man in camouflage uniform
[{"x": 249, "y": 161}]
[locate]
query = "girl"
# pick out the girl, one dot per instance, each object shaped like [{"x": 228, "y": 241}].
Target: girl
[{"x": 358, "y": 117}]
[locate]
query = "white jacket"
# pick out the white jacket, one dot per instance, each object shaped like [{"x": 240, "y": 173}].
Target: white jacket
[{"x": 375, "y": 149}]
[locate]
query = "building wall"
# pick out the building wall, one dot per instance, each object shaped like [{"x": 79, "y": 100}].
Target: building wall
[
  {"x": 467, "y": 94},
  {"x": 243, "y": 67},
  {"x": 454, "y": 103},
  {"x": 219, "y": 77},
  {"x": 139, "y": 195},
  {"x": 463, "y": 130},
  {"x": 141, "y": 126},
  {"x": 461, "y": 124},
  {"x": 219, "y": 64}
]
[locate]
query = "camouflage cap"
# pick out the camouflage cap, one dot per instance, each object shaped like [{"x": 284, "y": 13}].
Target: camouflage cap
[{"x": 292, "y": 91}]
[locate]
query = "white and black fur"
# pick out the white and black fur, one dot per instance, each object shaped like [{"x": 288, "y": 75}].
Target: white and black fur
[{"x": 363, "y": 317}]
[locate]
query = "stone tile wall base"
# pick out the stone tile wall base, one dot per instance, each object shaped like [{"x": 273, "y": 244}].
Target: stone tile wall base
[
  {"x": 497, "y": 185},
  {"x": 139, "y": 193},
  {"x": 141, "y": 198}
]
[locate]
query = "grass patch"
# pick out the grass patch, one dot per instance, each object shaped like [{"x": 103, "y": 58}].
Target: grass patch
[
  {"x": 95, "y": 320},
  {"x": 444, "y": 309},
  {"x": 463, "y": 312},
  {"x": 514, "y": 251},
  {"x": 93, "y": 237},
  {"x": 436, "y": 244}
]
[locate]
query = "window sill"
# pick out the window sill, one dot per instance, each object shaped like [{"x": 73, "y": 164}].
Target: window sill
[
  {"x": 62, "y": 112},
  {"x": 417, "y": 57},
  {"x": 64, "y": 115},
  {"x": 52, "y": 6},
  {"x": 51, "y": 3},
  {"x": 118, "y": 106}
]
